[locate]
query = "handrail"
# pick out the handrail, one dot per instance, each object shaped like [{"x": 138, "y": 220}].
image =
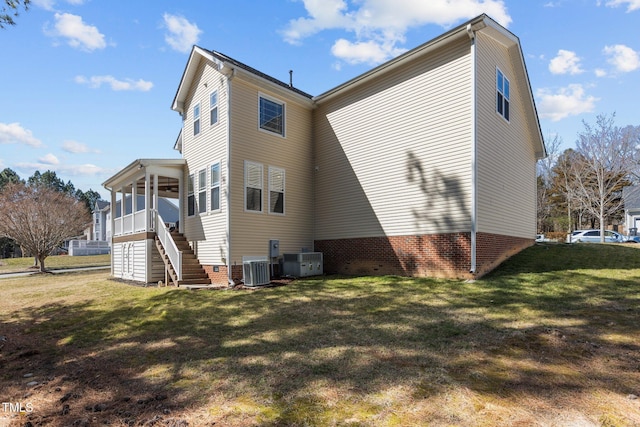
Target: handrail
[{"x": 170, "y": 248}]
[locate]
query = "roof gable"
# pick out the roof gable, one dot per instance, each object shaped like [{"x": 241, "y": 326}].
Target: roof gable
[{"x": 230, "y": 67}]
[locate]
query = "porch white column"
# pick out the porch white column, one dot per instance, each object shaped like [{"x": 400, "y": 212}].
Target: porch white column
[
  {"x": 181, "y": 204},
  {"x": 155, "y": 198},
  {"x": 122, "y": 209},
  {"x": 147, "y": 197}
]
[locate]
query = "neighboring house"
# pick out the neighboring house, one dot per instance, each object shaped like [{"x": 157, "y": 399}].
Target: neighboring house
[
  {"x": 423, "y": 166},
  {"x": 631, "y": 197},
  {"x": 101, "y": 221}
]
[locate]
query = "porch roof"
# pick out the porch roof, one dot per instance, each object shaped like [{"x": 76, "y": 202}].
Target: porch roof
[{"x": 169, "y": 171}]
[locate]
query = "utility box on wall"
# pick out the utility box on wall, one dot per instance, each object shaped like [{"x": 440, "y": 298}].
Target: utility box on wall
[
  {"x": 302, "y": 264},
  {"x": 274, "y": 248}
]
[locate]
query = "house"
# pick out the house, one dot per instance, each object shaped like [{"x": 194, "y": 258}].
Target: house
[
  {"x": 101, "y": 224},
  {"x": 423, "y": 166},
  {"x": 631, "y": 197}
]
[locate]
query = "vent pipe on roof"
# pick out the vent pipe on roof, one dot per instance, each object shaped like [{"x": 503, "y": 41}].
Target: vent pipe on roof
[{"x": 290, "y": 78}]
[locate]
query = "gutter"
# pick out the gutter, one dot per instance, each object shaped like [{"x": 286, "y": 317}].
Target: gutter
[
  {"x": 471, "y": 32},
  {"x": 230, "y": 77}
]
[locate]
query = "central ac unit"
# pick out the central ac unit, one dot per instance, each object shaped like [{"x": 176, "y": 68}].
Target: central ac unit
[
  {"x": 256, "y": 273},
  {"x": 302, "y": 264}
]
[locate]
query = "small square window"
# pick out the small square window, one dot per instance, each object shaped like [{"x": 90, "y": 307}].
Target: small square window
[{"x": 272, "y": 115}]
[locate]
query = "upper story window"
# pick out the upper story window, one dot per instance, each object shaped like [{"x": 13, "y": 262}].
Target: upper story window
[
  {"x": 271, "y": 115},
  {"x": 196, "y": 119},
  {"x": 502, "y": 95},
  {"x": 276, "y": 190},
  {"x": 253, "y": 186},
  {"x": 202, "y": 191},
  {"x": 213, "y": 108},
  {"x": 191, "y": 198},
  {"x": 215, "y": 187}
]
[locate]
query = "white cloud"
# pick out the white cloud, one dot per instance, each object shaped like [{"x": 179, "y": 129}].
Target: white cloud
[
  {"x": 182, "y": 34},
  {"x": 13, "y": 133},
  {"x": 631, "y": 4},
  {"x": 370, "y": 52},
  {"x": 78, "y": 34},
  {"x": 49, "y": 159},
  {"x": 49, "y": 4},
  {"x": 600, "y": 72},
  {"x": 76, "y": 147},
  {"x": 73, "y": 170},
  {"x": 622, "y": 57},
  {"x": 95, "y": 82},
  {"x": 566, "y": 62},
  {"x": 568, "y": 101},
  {"x": 379, "y": 25}
]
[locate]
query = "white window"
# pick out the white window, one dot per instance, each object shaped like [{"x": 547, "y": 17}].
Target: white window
[
  {"x": 196, "y": 119},
  {"x": 502, "y": 95},
  {"x": 276, "y": 190},
  {"x": 202, "y": 191},
  {"x": 253, "y": 186},
  {"x": 271, "y": 115},
  {"x": 191, "y": 198},
  {"x": 215, "y": 187},
  {"x": 213, "y": 108}
]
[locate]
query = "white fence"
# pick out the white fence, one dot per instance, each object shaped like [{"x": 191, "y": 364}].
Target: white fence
[{"x": 88, "y": 247}]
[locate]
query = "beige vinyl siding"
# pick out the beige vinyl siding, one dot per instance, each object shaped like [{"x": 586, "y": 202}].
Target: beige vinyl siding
[
  {"x": 251, "y": 231},
  {"x": 506, "y": 158},
  {"x": 206, "y": 231},
  {"x": 394, "y": 156}
]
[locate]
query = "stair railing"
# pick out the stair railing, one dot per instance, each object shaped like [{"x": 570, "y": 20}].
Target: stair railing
[{"x": 169, "y": 245}]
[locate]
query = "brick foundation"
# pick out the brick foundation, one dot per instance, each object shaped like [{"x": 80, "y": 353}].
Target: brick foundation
[
  {"x": 439, "y": 255},
  {"x": 219, "y": 277}
]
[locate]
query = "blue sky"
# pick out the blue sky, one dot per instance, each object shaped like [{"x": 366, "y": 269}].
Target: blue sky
[{"x": 88, "y": 84}]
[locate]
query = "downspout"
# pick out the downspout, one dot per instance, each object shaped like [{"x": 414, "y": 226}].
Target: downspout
[
  {"x": 474, "y": 152},
  {"x": 230, "y": 281}
]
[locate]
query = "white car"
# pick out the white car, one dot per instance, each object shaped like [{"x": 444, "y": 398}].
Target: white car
[{"x": 593, "y": 236}]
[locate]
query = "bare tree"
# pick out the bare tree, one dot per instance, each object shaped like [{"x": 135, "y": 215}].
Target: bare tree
[
  {"x": 545, "y": 180},
  {"x": 607, "y": 163},
  {"x": 39, "y": 219}
]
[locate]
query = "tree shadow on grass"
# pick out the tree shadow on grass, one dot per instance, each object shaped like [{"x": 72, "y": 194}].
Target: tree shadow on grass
[{"x": 280, "y": 356}]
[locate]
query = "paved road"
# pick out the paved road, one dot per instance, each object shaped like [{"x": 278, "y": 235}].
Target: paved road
[{"x": 62, "y": 270}]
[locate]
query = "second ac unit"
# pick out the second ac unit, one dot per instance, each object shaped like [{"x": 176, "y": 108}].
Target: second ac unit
[{"x": 302, "y": 264}]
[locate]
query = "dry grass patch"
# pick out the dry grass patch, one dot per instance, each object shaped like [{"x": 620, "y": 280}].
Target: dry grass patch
[{"x": 551, "y": 338}]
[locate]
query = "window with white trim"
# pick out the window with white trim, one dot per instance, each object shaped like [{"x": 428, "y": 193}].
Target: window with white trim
[
  {"x": 196, "y": 119},
  {"x": 202, "y": 191},
  {"x": 215, "y": 186},
  {"x": 276, "y": 190},
  {"x": 191, "y": 198},
  {"x": 213, "y": 108},
  {"x": 253, "y": 186},
  {"x": 502, "y": 94},
  {"x": 271, "y": 115}
]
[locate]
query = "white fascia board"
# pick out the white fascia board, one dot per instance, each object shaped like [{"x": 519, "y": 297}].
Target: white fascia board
[
  {"x": 189, "y": 74},
  {"x": 134, "y": 169}
]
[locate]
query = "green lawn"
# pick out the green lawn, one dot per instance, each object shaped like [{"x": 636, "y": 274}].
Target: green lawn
[
  {"x": 550, "y": 338},
  {"x": 54, "y": 262}
]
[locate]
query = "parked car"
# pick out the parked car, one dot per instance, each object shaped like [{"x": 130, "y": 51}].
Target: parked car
[
  {"x": 632, "y": 239},
  {"x": 593, "y": 236}
]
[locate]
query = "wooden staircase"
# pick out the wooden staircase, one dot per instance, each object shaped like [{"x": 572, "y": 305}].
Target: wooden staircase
[{"x": 192, "y": 271}]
